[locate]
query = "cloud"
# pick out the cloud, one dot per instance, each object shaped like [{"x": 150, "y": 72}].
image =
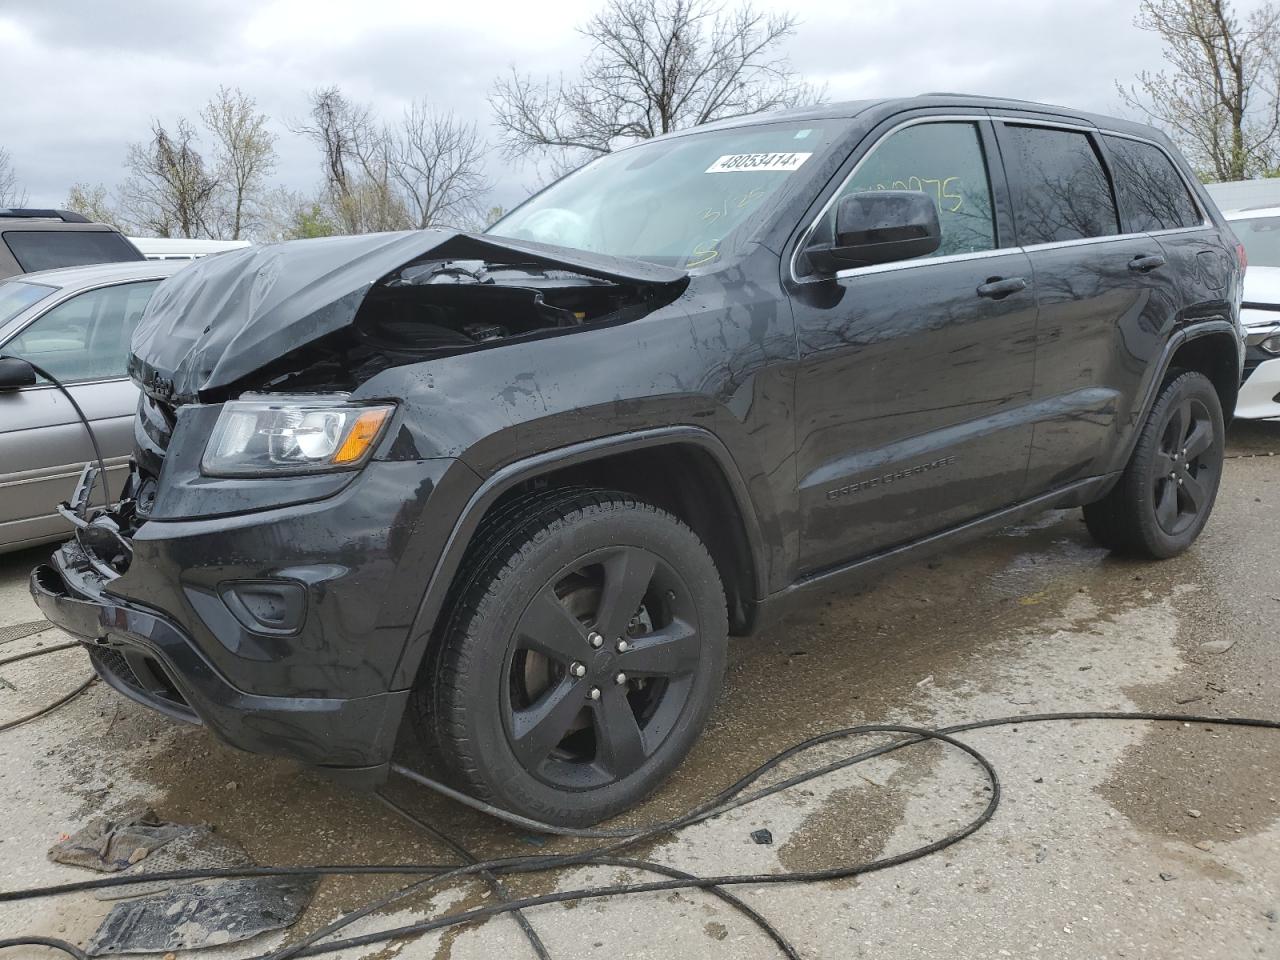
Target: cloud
[{"x": 84, "y": 80}]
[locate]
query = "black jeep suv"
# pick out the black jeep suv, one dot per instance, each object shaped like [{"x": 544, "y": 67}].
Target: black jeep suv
[{"x": 510, "y": 492}]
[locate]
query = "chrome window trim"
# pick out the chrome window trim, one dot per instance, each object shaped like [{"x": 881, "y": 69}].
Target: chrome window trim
[
  {"x": 1204, "y": 224},
  {"x": 813, "y": 225},
  {"x": 850, "y": 272},
  {"x": 1083, "y": 241},
  {"x": 75, "y": 383}
]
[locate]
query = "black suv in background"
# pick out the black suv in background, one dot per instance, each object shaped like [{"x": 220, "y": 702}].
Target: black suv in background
[
  {"x": 515, "y": 489},
  {"x": 32, "y": 240}
]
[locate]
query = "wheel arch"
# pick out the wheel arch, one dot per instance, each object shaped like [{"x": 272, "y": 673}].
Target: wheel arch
[
  {"x": 686, "y": 470},
  {"x": 1214, "y": 350}
]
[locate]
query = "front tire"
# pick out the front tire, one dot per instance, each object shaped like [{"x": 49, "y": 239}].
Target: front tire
[
  {"x": 1165, "y": 495},
  {"x": 581, "y": 658}
]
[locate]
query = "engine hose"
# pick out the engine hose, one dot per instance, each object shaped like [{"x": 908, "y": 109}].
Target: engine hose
[{"x": 731, "y": 798}]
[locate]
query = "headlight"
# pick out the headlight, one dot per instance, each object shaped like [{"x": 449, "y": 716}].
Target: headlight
[
  {"x": 1271, "y": 345},
  {"x": 281, "y": 435}
]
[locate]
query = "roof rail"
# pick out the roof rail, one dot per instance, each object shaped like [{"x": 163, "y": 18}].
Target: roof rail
[{"x": 66, "y": 216}]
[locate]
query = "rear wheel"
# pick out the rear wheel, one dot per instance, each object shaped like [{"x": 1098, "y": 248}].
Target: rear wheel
[
  {"x": 1166, "y": 493},
  {"x": 581, "y": 659}
]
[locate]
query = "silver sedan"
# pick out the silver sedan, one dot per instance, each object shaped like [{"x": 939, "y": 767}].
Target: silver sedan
[{"x": 74, "y": 323}]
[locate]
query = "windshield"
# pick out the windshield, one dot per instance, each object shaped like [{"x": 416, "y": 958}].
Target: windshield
[
  {"x": 673, "y": 202},
  {"x": 1261, "y": 239},
  {"x": 17, "y": 295}
]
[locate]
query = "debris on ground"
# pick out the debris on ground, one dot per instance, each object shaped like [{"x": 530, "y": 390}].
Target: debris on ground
[
  {"x": 203, "y": 915},
  {"x": 1218, "y": 646},
  {"x": 168, "y": 915},
  {"x": 763, "y": 837},
  {"x": 117, "y": 841}
]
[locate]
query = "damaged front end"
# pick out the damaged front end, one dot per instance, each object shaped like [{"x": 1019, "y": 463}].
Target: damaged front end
[
  {"x": 330, "y": 314},
  {"x": 261, "y": 568}
]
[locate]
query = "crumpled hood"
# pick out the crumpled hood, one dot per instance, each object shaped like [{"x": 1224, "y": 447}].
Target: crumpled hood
[{"x": 230, "y": 314}]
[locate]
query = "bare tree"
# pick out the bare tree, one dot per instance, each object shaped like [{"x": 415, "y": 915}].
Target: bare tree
[
  {"x": 92, "y": 201},
  {"x": 656, "y": 66},
  {"x": 245, "y": 156},
  {"x": 291, "y": 215},
  {"x": 438, "y": 165},
  {"x": 1220, "y": 96},
  {"x": 426, "y": 172},
  {"x": 356, "y": 155},
  {"x": 11, "y": 194},
  {"x": 169, "y": 191}
]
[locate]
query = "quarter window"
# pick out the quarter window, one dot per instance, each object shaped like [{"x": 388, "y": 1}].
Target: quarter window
[
  {"x": 86, "y": 337},
  {"x": 1060, "y": 189},
  {"x": 1152, "y": 194},
  {"x": 944, "y": 161}
]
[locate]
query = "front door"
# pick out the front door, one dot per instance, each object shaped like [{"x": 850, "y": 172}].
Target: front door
[
  {"x": 914, "y": 377},
  {"x": 84, "y": 342}
]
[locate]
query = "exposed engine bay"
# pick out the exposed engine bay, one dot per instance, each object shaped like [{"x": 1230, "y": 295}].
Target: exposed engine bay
[
  {"x": 334, "y": 312},
  {"x": 439, "y": 307}
]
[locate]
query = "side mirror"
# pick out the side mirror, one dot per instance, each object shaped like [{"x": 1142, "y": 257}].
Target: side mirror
[
  {"x": 879, "y": 226},
  {"x": 15, "y": 373}
]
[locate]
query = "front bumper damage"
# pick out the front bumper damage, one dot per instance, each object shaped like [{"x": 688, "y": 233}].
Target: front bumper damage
[
  {"x": 150, "y": 659},
  {"x": 173, "y": 631}
]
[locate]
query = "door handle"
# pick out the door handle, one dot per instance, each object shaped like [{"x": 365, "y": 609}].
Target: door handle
[
  {"x": 1145, "y": 264},
  {"x": 997, "y": 288}
]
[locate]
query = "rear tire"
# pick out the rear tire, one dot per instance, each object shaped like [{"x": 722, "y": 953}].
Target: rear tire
[
  {"x": 580, "y": 659},
  {"x": 1165, "y": 495}
]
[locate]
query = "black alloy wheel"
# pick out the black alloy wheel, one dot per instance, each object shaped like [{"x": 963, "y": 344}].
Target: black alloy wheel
[
  {"x": 581, "y": 658},
  {"x": 1165, "y": 494},
  {"x": 600, "y": 668},
  {"x": 1186, "y": 474}
]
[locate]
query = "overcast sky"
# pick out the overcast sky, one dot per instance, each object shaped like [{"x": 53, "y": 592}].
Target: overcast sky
[{"x": 83, "y": 79}]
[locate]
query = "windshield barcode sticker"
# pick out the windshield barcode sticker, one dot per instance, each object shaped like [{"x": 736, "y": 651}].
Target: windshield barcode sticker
[{"x": 753, "y": 162}]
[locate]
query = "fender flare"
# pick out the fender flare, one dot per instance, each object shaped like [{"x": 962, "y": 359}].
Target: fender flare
[
  {"x": 1183, "y": 335},
  {"x": 504, "y": 479}
]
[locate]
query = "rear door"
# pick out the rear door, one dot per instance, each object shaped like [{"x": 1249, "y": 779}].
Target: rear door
[
  {"x": 1104, "y": 294},
  {"x": 915, "y": 376},
  {"x": 84, "y": 342}
]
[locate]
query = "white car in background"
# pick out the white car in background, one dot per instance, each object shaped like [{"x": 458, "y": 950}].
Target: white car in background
[
  {"x": 177, "y": 248},
  {"x": 1259, "y": 230}
]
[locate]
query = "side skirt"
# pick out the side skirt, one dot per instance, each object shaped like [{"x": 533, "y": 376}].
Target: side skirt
[{"x": 858, "y": 572}]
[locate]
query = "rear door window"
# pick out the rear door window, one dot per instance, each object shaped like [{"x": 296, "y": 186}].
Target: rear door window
[
  {"x": 49, "y": 249},
  {"x": 1153, "y": 196},
  {"x": 945, "y": 161},
  {"x": 1060, "y": 188},
  {"x": 86, "y": 337}
]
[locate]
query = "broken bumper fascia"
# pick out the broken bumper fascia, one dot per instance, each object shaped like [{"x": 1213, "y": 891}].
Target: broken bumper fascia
[{"x": 149, "y": 658}]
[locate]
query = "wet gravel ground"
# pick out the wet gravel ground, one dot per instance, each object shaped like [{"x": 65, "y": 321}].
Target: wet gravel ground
[{"x": 1115, "y": 839}]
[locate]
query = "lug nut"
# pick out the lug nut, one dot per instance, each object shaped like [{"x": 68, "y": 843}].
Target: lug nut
[
  {"x": 620, "y": 679},
  {"x": 595, "y": 639},
  {"x": 595, "y": 693},
  {"x": 623, "y": 646},
  {"x": 578, "y": 669}
]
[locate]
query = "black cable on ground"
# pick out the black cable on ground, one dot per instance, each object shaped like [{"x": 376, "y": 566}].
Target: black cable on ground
[
  {"x": 53, "y": 942},
  {"x": 61, "y": 701},
  {"x": 497, "y": 886},
  {"x": 39, "y": 652},
  {"x": 728, "y": 799}
]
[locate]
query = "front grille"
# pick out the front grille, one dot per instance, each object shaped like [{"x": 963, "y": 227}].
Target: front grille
[
  {"x": 139, "y": 672},
  {"x": 112, "y": 662}
]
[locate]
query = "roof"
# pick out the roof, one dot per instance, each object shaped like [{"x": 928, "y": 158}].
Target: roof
[
  {"x": 101, "y": 273},
  {"x": 887, "y": 106}
]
